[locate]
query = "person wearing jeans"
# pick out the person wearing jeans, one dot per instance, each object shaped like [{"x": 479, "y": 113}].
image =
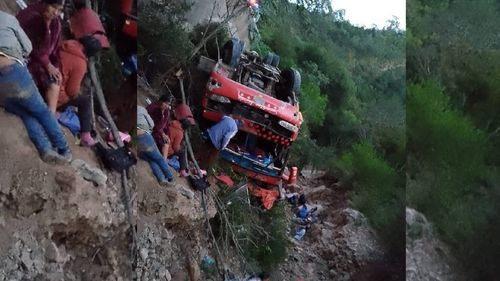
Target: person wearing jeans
[
  {"x": 20, "y": 96},
  {"x": 147, "y": 149}
]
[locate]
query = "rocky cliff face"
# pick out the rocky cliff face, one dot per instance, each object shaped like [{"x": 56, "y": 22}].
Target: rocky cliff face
[
  {"x": 427, "y": 258},
  {"x": 68, "y": 222},
  {"x": 54, "y": 224},
  {"x": 340, "y": 246},
  {"x": 172, "y": 229}
]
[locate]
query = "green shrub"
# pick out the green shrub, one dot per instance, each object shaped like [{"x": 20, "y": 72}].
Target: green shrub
[
  {"x": 262, "y": 235},
  {"x": 377, "y": 193},
  {"x": 272, "y": 250},
  {"x": 164, "y": 40},
  {"x": 449, "y": 180}
]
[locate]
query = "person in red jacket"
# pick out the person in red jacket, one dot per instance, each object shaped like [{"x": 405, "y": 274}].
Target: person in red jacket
[
  {"x": 42, "y": 24},
  {"x": 73, "y": 56}
]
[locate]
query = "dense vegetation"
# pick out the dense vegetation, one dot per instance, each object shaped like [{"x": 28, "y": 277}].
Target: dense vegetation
[
  {"x": 352, "y": 97},
  {"x": 453, "y": 66},
  {"x": 163, "y": 37}
]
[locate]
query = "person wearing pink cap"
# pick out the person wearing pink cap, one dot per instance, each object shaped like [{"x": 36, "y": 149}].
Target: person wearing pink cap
[{"x": 84, "y": 22}]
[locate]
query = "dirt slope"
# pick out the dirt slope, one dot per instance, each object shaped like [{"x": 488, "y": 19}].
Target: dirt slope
[{"x": 54, "y": 225}]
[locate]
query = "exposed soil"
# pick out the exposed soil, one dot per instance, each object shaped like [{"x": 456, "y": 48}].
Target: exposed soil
[{"x": 54, "y": 225}]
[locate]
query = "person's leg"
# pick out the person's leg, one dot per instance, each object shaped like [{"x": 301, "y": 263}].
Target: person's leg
[
  {"x": 35, "y": 106},
  {"x": 83, "y": 103},
  {"x": 157, "y": 171},
  {"x": 34, "y": 129},
  {"x": 164, "y": 151},
  {"x": 182, "y": 161},
  {"x": 144, "y": 152},
  {"x": 162, "y": 163},
  {"x": 182, "y": 157},
  {"x": 22, "y": 96},
  {"x": 205, "y": 153},
  {"x": 52, "y": 95},
  {"x": 213, "y": 155},
  {"x": 149, "y": 152}
]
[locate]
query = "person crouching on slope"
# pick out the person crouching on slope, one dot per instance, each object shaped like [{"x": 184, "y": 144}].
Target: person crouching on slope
[
  {"x": 20, "y": 96},
  {"x": 73, "y": 57},
  {"x": 183, "y": 120},
  {"x": 43, "y": 26},
  {"x": 160, "y": 113},
  {"x": 147, "y": 149}
]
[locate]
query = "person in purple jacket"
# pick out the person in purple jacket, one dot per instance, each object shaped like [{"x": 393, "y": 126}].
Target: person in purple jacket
[{"x": 41, "y": 22}]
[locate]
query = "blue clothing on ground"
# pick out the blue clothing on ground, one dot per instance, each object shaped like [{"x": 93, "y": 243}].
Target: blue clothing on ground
[
  {"x": 174, "y": 163},
  {"x": 69, "y": 119},
  {"x": 303, "y": 212},
  {"x": 148, "y": 151},
  {"x": 221, "y": 133},
  {"x": 21, "y": 97}
]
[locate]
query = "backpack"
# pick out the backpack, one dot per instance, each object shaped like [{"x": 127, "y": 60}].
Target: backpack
[
  {"x": 116, "y": 159},
  {"x": 198, "y": 183}
]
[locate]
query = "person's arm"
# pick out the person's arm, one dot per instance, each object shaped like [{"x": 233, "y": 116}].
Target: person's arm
[
  {"x": 22, "y": 38},
  {"x": 75, "y": 78},
  {"x": 149, "y": 120}
]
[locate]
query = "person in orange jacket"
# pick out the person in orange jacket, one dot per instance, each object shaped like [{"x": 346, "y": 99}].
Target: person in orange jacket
[
  {"x": 183, "y": 120},
  {"x": 73, "y": 57}
]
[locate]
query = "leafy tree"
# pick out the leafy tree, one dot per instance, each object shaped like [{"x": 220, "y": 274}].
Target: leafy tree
[{"x": 452, "y": 121}]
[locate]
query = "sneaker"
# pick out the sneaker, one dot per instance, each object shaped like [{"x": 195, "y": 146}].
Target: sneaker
[
  {"x": 88, "y": 143},
  {"x": 167, "y": 182},
  {"x": 67, "y": 156},
  {"x": 53, "y": 157},
  {"x": 86, "y": 139},
  {"x": 171, "y": 181}
]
